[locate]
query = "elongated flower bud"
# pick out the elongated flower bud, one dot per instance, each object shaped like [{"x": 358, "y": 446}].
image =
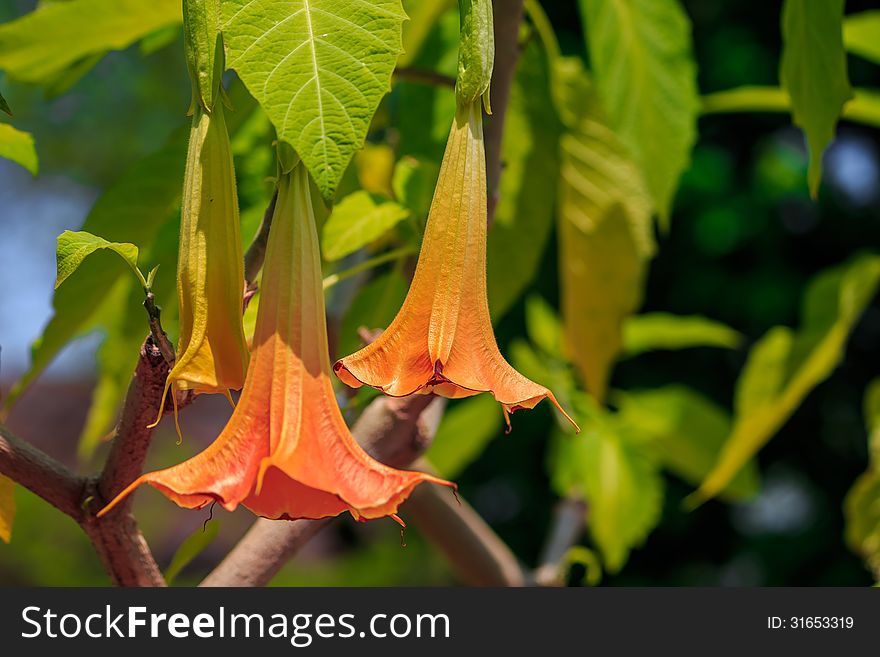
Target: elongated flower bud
[{"x": 211, "y": 350}]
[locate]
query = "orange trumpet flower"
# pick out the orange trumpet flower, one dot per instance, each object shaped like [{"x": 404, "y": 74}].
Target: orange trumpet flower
[
  {"x": 286, "y": 451},
  {"x": 441, "y": 340}
]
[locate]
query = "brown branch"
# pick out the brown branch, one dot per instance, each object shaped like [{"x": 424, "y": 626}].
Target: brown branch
[
  {"x": 508, "y": 16},
  {"x": 569, "y": 520},
  {"x": 476, "y": 553},
  {"x": 116, "y": 537},
  {"x": 424, "y": 76},
  {"x": 256, "y": 253},
  {"x": 41, "y": 474}
]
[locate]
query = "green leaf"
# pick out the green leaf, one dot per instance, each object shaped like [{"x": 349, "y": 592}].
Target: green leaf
[
  {"x": 7, "y": 508},
  {"x": 374, "y": 307},
  {"x": 686, "y": 433},
  {"x": 39, "y": 45},
  {"x": 813, "y": 71},
  {"x": 524, "y": 214},
  {"x": 642, "y": 60},
  {"x": 465, "y": 431},
  {"x": 605, "y": 232},
  {"x": 872, "y": 420},
  {"x": 4, "y": 106},
  {"x": 543, "y": 327},
  {"x": 653, "y": 331},
  {"x": 784, "y": 366},
  {"x": 357, "y": 221},
  {"x": 124, "y": 326},
  {"x": 74, "y": 247},
  {"x": 861, "y": 34},
  {"x": 319, "y": 68},
  {"x": 861, "y": 509},
  {"x": 193, "y": 546},
  {"x": 423, "y": 16},
  {"x": 413, "y": 184},
  {"x": 132, "y": 209},
  {"x": 863, "y": 108},
  {"x": 619, "y": 481},
  {"x": 159, "y": 39},
  {"x": 18, "y": 146}
]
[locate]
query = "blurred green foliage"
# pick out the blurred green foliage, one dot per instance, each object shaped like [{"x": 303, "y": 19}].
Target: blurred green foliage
[{"x": 599, "y": 141}]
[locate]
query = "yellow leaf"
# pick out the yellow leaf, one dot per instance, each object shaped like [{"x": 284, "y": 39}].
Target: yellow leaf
[{"x": 7, "y": 508}]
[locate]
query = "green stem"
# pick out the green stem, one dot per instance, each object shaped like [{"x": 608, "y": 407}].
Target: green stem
[{"x": 395, "y": 254}]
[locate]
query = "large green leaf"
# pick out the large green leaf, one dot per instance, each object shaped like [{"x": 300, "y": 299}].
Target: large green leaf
[
  {"x": 619, "y": 480},
  {"x": 465, "y": 431},
  {"x": 686, "y": 432},
  {"x": 131, "y": 210},
  {"x": 7, "y": 508},
  {"x": 863, "y": 108},
  {"x": 785, "y": 365},
  {"x": 358, "y": 220},
  {"x": 40, "y": 45},
  {"x": 18, "y": 146},
  {"x": 813, "y": 71},
  {"x": 861, "y": 34},
  {"x": 524, "y": 214},
  {"x": 642, "y": 60},
  {"x": 654, "y": 331},
  {"x": 605, "y": 232},
  {"x": 319, "y": 68}
]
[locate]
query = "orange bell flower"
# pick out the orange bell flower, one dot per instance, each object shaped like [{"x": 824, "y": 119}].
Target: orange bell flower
[
  {"x": 441, "y": 340},
  {"x": 286, "y": 451}
]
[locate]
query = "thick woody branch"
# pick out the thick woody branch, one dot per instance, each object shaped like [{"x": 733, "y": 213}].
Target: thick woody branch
[
  {"x": 476, "y": 553},
  {"x": 508, "y": 16},
  {"x": 116, "y": 537},
  {"x": 41, "y": 474}
]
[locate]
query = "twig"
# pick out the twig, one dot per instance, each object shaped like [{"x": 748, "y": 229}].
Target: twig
[
  {"x": 476, "y": 553},
  {"x": 41, "y": 474},
  {"x": 568, "y": 523},
  {"x": 424, "y": 77},
  {"x": 253, "y": 258},
  {"x": 508, "y": 16},
  {"x": 160, "y": 338}
]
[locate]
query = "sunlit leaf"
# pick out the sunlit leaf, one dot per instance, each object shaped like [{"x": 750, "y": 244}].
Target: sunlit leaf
[
  {"x": 653, "y": 331},
  {"x": 465, "y": 431},
  {"x": 193, "y": 546},
  {"x": 75, "y": 246},
  {"x": 784, "y": 366},
  {"x": 423, "y": 15},
  {"x": 319, "y": 68},
  {"x": 861, "y": 34},
  {"x": 617, "y": 478},
  {"x": 18, "y": 146},
  {"x": 523, "y": 217},
  {"x": 686, "y": 433},
  {"x": 813, "y": 71},
  {"x": 375, "y": 167},
  {"x": 358, "y": 220},
  {"x": 641, "y": 57},
  {"x": 861, "y": 508},
  {"x": 39, "y": 45},
  {"x": 7, "y": 508},
  {"x": 413, "y": 184},
  {"x": 605, "y": 234},
  {"x": 863, "y": 108},
  {"x": 543, "y": 327}
]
